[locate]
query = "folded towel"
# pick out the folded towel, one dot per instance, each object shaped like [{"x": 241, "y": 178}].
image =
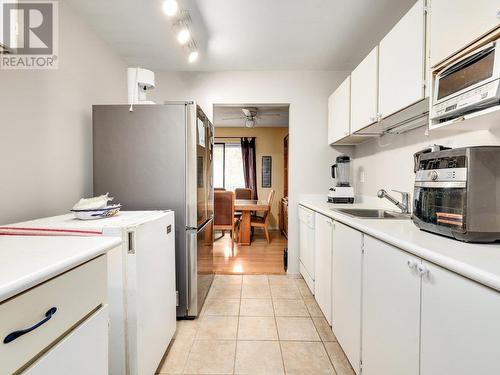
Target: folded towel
[{"x": 94, "y": 203}]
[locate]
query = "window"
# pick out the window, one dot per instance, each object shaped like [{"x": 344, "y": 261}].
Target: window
[{"x": 228, "y": 166}]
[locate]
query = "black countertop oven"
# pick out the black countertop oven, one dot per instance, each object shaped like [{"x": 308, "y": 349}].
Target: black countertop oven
[{"x": 457, "y": 193}]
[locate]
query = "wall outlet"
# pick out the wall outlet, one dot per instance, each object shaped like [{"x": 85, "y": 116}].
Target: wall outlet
[{"x": 362, "y": 176}]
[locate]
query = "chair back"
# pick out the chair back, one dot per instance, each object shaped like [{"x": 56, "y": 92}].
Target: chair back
[
  {"x": 223, "y": 207},
  {"x": 243, "y": 193},
  {"x": 270, "y": 199},
  {"x": 219, "y": 189}
]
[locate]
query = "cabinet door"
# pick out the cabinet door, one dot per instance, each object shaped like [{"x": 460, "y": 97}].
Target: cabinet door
[
  {"x": 364, "y": 92},
  {"x": 460, "y": 325},
  {"x": 391, "y": 311},
  {"x": 402, "y": 59},
  {"x": 306, "y": 245},
  {"x": 346, "y": 291},
  {"x": 457, "y": 23},
  {"x": 323, "y": 264},
  {"x": 339, "y": 112},
  {"x": 84, "y": 351}
]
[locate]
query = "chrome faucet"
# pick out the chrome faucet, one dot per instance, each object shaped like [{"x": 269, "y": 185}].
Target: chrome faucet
[{"x": 404, "y": 205}]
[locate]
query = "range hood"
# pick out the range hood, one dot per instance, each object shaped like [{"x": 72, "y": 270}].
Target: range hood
[{"x": 409, "y": 118}]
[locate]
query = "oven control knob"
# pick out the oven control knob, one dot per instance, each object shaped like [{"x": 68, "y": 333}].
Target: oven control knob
[{"x": 434, "y": 176}]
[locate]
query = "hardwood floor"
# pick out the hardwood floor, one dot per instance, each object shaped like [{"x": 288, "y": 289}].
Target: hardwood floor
[{"x": 258, "y": 258}]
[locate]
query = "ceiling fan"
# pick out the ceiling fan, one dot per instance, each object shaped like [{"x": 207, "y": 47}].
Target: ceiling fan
[{"x": 251, "y": 116}]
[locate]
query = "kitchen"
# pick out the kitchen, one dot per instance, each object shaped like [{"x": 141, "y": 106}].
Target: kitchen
[{"x": 370, "y": 98}]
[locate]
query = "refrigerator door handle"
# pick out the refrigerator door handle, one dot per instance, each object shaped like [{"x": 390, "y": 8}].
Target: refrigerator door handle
[
  {"x": 131, "y": 242},
  {"x": 209, "y": 220},
  {"x": 192, "y": 274}
]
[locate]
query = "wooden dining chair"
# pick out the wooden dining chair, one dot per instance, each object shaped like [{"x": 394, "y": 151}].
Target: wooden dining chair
[
  {"x": 224, "y": 213},
  {"x": 263, "y": 221},
  {"x": 243, "y": 193}
]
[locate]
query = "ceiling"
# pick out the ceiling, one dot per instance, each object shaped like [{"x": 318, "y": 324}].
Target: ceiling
[
  {"x": 246, "y": 34},
  {"x": 268, "y": 115}
]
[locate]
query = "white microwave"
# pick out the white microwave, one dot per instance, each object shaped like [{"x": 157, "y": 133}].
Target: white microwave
[{"x": 469, "y": 84}]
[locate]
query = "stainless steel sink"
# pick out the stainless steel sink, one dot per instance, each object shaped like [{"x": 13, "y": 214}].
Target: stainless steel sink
[{"x": 364, "y": 213}]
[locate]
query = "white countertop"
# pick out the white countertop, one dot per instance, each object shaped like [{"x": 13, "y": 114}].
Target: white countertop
[
  {"x": 479, "y": 262},
  {"x": 68, "y": 221},
  {"x": 28, "y": 261}
]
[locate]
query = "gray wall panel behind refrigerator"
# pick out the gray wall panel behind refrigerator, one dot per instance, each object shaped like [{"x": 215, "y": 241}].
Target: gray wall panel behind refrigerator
[{"x": 140, "y": 159}]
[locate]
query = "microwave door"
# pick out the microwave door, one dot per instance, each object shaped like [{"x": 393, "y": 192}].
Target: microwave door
[{"x": 441, "y": 207}]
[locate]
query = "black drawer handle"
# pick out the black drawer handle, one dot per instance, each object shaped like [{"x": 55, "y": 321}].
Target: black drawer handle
[{"x": 14, "y": 335}]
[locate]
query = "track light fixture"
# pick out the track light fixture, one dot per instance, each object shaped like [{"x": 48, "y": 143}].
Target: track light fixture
[
  {"x": 170, "y": 7},
  {"x": 183, "y": 35},
  {"x": 193, "y": 56},
  {"x": 180, "y": 25}
]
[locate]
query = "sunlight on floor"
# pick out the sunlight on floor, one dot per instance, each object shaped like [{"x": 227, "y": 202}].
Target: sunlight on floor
[
  {"x": 238, "y": 268},
  {"x": 258, "y": 258}
]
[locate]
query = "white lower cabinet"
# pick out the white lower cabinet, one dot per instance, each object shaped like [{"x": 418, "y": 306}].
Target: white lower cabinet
[
  {"x": 391, "y": 311},
  {"x": 84, "y": 351},
  {"x": 323, "y": 265},
  {"x": 40, "y": 319},
  {"x": 396, "y": 314},
  {"x": 306, "y": 246},
  {"x": 460, "y": 331},
  {"x": 346, "y": 291}
]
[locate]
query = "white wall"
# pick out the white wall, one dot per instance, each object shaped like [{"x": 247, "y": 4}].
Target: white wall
[
  {"x": 388, "y": 161},
  {"x": 307, "y": 93},
  {"x": 45, "y": 123}
]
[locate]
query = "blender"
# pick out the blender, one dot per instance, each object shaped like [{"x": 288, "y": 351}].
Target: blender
[{"x": 343, "y": 192}]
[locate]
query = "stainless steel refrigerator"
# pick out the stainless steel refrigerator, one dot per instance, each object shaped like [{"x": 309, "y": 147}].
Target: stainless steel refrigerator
[{"x": 160, "y": 157}]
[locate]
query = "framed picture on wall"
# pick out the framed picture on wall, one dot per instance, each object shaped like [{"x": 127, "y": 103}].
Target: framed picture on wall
[{"x": 267, "y": 162}]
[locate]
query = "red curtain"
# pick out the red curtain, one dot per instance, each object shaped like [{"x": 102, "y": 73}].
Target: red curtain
[{"x": 249, "y": 164}]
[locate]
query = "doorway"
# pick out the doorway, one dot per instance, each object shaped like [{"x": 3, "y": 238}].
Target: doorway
[{"x": 251, "y": 160}]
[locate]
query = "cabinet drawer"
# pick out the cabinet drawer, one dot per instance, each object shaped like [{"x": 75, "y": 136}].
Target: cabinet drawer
[
  {"x": 75, "y": 294},
  {"x": 306, "y": 216},
  {"x": 84, "y": 351}
]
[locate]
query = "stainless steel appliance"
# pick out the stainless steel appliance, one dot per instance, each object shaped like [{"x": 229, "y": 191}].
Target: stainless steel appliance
[
  {"x": 160, "y": 157},
  {"x": 343, "y": 192},
  {"x": 457, "y": 193},
  {"x": 468, "y": 84}
]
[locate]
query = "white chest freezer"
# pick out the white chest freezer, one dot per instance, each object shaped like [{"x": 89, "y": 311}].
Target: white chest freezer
[{"x": 141, "y": 282}]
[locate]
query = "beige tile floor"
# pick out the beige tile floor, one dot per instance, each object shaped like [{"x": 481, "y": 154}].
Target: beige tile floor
[{"x": 256, "y": 324}]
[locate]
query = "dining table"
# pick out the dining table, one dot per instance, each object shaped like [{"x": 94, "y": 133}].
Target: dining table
[{"x": 246, "y": 207}]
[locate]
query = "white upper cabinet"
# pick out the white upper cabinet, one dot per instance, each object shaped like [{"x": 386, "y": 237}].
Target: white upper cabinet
[
  {"x": 339, "y": 107},
  {"x": 457, "y": 23},
  {"x": 402, "y": 62},
  {"x": 460, "y": 325},
  {"x": 364, "y": 92}
]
